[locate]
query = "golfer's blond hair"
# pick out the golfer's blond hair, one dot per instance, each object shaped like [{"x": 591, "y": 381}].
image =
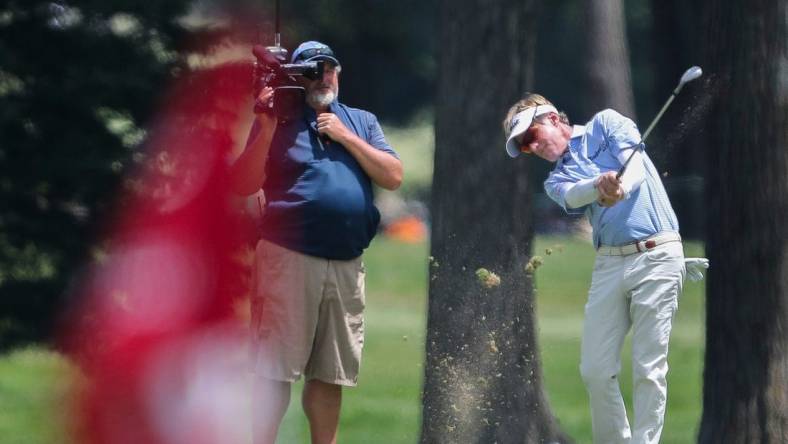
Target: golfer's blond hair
[{"x": 530, "y": 100}]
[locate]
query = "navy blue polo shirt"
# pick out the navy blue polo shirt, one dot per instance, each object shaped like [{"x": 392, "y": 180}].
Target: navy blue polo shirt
[{"x": 319, "y": 200}]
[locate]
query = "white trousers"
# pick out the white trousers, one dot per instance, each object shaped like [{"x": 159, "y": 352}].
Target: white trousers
[{"x": 640, "y": 291}]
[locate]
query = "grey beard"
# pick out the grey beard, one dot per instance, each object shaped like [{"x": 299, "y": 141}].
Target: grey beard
[{"x": 318, "y": 100}]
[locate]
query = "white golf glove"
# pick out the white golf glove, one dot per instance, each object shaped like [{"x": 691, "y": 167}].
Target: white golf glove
[{"x": 695, "y": 267}]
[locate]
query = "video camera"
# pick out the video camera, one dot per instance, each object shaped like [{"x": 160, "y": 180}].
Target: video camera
[{"x": 271, "y": 70}]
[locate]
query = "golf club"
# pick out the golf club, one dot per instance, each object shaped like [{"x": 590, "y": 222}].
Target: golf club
[{"x": 688, "y": 76}]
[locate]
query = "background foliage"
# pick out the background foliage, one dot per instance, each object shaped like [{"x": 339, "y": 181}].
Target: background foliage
[{"x": 80, "y": 80}]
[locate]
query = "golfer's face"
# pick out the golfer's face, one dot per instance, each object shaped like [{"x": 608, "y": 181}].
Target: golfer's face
[{"x": 544, "y": 139}]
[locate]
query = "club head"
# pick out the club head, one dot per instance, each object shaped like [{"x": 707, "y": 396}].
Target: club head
[{"x": 690, "y": 75}]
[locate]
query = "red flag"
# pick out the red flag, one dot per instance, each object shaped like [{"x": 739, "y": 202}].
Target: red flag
[{"x": 157, "y": 332}]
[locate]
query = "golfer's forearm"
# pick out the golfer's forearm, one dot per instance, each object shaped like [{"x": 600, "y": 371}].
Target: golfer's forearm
[{"x": 581, "y": 193}]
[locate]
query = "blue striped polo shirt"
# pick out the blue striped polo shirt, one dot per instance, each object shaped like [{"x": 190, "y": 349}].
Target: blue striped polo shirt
[{"x": 593, "y": 150}]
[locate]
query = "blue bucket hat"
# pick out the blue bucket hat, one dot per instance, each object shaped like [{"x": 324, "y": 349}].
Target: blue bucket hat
[{"x": 312, "y": 51}]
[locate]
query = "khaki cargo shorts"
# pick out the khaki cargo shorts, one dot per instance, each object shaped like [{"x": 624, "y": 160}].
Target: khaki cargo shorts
[{"x": 307, "y": 316}]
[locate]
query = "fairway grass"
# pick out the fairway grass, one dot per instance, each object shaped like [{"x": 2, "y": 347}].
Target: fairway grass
[{"x": 385, "y": 408}]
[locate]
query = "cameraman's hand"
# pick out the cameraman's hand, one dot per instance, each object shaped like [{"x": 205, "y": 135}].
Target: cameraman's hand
[
  {"x": 329, "y": 124},
  {"x": 263, "y": 107}
]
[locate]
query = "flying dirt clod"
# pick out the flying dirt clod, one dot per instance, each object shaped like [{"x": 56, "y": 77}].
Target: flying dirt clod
[{"x": 487, "y": 278}]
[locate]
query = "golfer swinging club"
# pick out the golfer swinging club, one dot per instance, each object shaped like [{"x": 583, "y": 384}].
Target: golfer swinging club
[{"x": 639, "y": 268}]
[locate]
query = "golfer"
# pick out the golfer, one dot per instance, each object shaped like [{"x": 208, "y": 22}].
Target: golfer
[{"x": 639, "y": 268}]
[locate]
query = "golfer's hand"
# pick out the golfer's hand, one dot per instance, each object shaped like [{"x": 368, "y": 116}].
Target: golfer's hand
[
  {"x": 328, "y": 124},
  {"x": 609, "y": 187},
  {"x": 695, "y": 267}
]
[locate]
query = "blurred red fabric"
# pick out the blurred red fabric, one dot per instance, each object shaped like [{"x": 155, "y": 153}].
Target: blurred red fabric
[{"x": 156, "y": 332}]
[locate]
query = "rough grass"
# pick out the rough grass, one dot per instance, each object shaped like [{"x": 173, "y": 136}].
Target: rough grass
[
  {"x": 386, "y": 406},
  {"x": 562, "y": 283},
  {"x": 34, "y": 397},
  {"x": 415, "y": 144}
]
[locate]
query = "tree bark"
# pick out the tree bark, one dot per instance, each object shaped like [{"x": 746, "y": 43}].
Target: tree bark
[
  {"x": 483, "y": 380},
  {"x": 745, "y": 394},
  {"x": 677, "y": 144},
  {"x": 607, "y": 58}
]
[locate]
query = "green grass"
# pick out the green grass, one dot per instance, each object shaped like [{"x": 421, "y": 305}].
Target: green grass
[
  {"x": 415, "y": 144},
  {"x": 34, "y": 388},
  {"x": 562, "y": 283},
  {"x": 385, "y": 407}
]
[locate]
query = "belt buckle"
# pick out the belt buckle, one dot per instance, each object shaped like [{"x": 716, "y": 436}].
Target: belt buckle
[{"x": 651, "y": 243}]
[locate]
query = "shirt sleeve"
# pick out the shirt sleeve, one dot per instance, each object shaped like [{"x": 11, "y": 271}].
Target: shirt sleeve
[
  {"x": 581, "y": 193},
  {"x": 620, "y": 132},
  {"x": 375, "y": 136},
  {"x": 636, "y": 171},
  {"x": 624, "y": 138},
  {"x": 557, "y": 188}
]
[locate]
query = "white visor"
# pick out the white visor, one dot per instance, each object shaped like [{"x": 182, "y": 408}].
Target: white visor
[{"x": 521, "y": 122}]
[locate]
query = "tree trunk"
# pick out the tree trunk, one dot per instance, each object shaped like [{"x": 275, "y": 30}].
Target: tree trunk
[
  {"x": 483, "y": 381},
  {"x": 745, "y": 394},
  {"x": 672, "y": 46},
  {"x": 607, "y": 59},
  {"x": 677, "y": 144}
]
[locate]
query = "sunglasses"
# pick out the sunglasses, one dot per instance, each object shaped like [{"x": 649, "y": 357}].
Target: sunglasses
[{"x": 525, "y": 139}]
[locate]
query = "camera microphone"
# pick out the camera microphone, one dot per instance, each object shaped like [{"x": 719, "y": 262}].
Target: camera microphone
[{"x": 265, "y": 56}]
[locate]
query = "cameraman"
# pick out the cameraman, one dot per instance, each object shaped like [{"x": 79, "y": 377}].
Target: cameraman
[{"x": 308, "y": 299}]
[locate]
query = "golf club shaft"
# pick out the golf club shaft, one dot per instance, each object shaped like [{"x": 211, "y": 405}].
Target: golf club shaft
[{"x": 648, "y": 130}]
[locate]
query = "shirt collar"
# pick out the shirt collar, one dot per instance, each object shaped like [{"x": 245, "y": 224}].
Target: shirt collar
[
  {"x": 577, "y": 131},
  {"x": 310, "y": 113}
]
